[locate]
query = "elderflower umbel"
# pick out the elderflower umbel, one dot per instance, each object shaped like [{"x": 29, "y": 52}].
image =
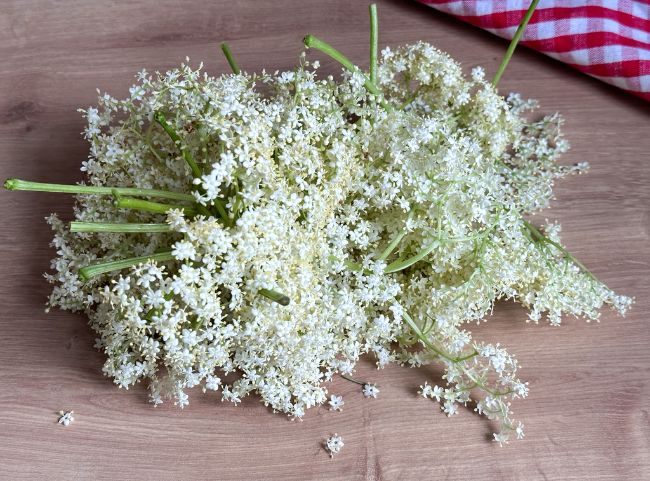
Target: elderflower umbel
[{"x": 316, "y": 226}]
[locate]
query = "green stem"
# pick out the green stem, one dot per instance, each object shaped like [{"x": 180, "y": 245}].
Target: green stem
[
  {"x": 221, "y": 210},
  {"x": 196, "y": 323},
  {"x": 347, "y": 378},
  {"x": 420, "y": 335},
  {"x": 539, "y": 237},
  {"x": 88, "y": 272},
  {"x": 275, "y": 296},
  {"x": 456, "y": 360},
  {"x": 159, "y": 117},
  {"x": 401, "y": 265},
  {"x": 139, "y": 204},
  {"x": 231, "y": 60},
  {"x": 196, "y": 170},
  {"x": 514, "y": 42},
  {"x": 414, "y": 327},
  {"x": 410, "y": 99},
  {"x": 313, "y": 42},
  {"x": 76, "y": 226},
  {"x": 374, "y": 42},
  {"x": 468, "y": 356},
  {"x": 18, "y": 184},
  {"x": 393, "y": 244},
  {"x": 204, "y": 210},
  {"x": 353, "y": 266},
  {"x": 236, "y": 207}
]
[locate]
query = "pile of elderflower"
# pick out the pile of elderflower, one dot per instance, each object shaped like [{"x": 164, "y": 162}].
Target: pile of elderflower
[{"x": 258, "y": 233}]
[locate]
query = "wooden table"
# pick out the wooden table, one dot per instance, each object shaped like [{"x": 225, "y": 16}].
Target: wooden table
[{"x": 587, "y": 416}]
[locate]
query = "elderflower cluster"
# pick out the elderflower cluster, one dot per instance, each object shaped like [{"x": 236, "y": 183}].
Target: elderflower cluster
[{"x": 386, "y": 230}]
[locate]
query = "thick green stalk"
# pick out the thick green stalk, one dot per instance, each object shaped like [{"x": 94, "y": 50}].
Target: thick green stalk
[
  {"x": 231, "y": 60},
  {"x": 374, "y": 42},
  {"x": 159, "y": 117},
  {"x": 313, "y": 42},
  {"x": 76, "y": 226},
  {"x": 275, "y": 296},
  {"x": 139, "y": 204},
  {"x": 514, "y": 42},
  {"x": 88, "y": 272},
  {"x": 18, "y": 184}
]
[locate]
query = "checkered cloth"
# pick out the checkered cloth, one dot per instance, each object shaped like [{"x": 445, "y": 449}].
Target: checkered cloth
[{"x": 607, "y": 39}]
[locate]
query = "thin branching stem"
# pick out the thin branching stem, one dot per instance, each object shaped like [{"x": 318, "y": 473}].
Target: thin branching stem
[
  {"x": 348, "y": 378},
  {"x": 159, "y": 117},
  {"x": 455, "y": 360},
  {"x": 539, "y": 237}
]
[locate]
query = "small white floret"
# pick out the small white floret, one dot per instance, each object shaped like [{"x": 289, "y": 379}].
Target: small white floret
[
  {"x": 336, "y": 403},
  {"x": 334, "y": 444},
  {"x": 66, "y": 417},
  {"x": 370, "y": 390}
]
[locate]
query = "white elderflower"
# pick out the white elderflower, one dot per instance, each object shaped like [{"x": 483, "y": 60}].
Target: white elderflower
[
  {"x": 450, "y": 408},
  {"x": 336, "y": 403},
  {"x": 425, "y": 391},
  {"x": 66, "y": 417},
  {"x": 436, "y": 393},
  {"x": 298, "y": 223},
  {"x": 184, "y": 251},
  {"x": 501, "y": 438},
  {"x": 519, "y": 431},
  {"x": 212, "y": 383},
  {"x": 334, "y": 444},
  {"x": 370, "y": 390}
]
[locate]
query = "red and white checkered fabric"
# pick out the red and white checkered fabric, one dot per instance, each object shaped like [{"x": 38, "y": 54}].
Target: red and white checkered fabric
[{"x": 607, "y": 39}]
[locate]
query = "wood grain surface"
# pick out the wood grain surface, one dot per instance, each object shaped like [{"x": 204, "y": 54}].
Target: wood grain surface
[{"x": 587, "y": 416}]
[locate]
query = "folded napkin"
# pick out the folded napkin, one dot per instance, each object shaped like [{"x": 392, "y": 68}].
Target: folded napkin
[{"x": 607, "y": 39}]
